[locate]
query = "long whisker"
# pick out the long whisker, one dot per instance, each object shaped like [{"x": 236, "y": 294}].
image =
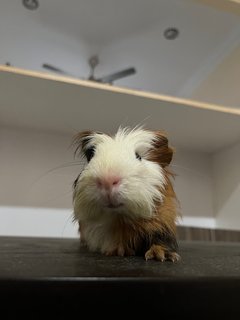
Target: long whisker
[
  {"x": 143, "y": 122},
  {"x": 66, "y": 223},
  {"x": 67, "y": 165},
  {"x": 188, "y": 169},
  {"x": 70, "y": 164}
]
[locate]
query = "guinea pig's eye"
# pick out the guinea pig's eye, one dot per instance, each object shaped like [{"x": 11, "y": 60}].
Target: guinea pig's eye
[
  {"x": 138, "y": 156},
  {"x": 89, "y": 153}
]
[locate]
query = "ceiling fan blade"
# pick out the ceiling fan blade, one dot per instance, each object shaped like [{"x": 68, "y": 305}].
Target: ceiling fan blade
[
  {"x": 54, "y": 69},
  {"x": 117, "y": 75}
]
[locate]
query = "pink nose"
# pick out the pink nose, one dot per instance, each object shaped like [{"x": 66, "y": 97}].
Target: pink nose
[{"x": 108, "y": 182}]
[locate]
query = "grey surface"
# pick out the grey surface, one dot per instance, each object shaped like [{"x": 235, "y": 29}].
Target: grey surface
[
  {"x": 55, "y": 277},
  {"x": 38, "y": 258}
]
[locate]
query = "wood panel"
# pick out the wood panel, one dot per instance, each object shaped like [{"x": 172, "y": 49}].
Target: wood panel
[{"x": 45, "y": 102}]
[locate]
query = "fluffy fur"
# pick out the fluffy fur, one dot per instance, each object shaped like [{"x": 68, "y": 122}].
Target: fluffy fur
[{"x": 137, "y": 216}]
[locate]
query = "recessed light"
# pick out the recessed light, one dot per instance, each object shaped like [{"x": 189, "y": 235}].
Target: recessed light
[
  {"x": 171, "y": 33},
  {"x": 30, "y": 4}
]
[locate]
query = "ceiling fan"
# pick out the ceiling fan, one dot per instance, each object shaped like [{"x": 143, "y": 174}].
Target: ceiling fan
[{"x": 93, "y": 62}]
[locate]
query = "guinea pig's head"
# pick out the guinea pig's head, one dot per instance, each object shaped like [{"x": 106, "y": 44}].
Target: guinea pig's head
[{"x": 122, "y": 174}]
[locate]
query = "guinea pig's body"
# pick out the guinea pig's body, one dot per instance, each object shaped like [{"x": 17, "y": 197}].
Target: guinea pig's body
[{"x": 123, "y": 199}]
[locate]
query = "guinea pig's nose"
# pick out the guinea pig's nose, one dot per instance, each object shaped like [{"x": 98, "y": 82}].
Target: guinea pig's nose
[{"x": 108, "y": 182}]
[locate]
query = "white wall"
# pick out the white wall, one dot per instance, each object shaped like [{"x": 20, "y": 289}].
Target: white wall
[
  {"x": 37, "y": 222},
  {"x": 194, "y": 185},
  {"x": 36, "y": 187},
  {"x": 36, "y": 176},
  {"x": 226, "y": 172},
  {"x": 36, "y": 169}
]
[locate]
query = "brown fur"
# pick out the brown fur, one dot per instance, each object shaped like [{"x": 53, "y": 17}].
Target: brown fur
[
  {"x": 161, "y": 152},
  {"x": 128, "y": 233}
]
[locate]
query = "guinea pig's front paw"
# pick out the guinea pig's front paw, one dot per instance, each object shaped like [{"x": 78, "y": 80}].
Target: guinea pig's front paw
[{"x": 161, "y": 253}]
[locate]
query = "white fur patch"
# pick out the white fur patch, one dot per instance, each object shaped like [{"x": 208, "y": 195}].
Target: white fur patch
[{"x": 141, "y": 181}]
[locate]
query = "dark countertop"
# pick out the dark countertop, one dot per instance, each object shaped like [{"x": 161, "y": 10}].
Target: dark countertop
[{"x": 61, "y": 274}]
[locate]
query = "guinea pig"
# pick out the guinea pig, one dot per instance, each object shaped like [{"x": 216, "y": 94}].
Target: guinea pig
[{"x": 123, "y": 199}]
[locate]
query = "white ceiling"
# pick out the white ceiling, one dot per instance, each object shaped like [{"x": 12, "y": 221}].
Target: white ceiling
[
  {"x": 101, "y": 21},
  {"x": 127, "y": 33}
]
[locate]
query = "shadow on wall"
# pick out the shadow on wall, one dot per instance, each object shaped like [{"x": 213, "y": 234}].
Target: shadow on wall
[{"x": 226, "y": 173}]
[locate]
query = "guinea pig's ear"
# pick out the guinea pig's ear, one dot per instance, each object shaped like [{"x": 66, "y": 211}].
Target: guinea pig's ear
[
  {"x": 80, "y": 141},
  {"x": 161, "y": 152}
]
